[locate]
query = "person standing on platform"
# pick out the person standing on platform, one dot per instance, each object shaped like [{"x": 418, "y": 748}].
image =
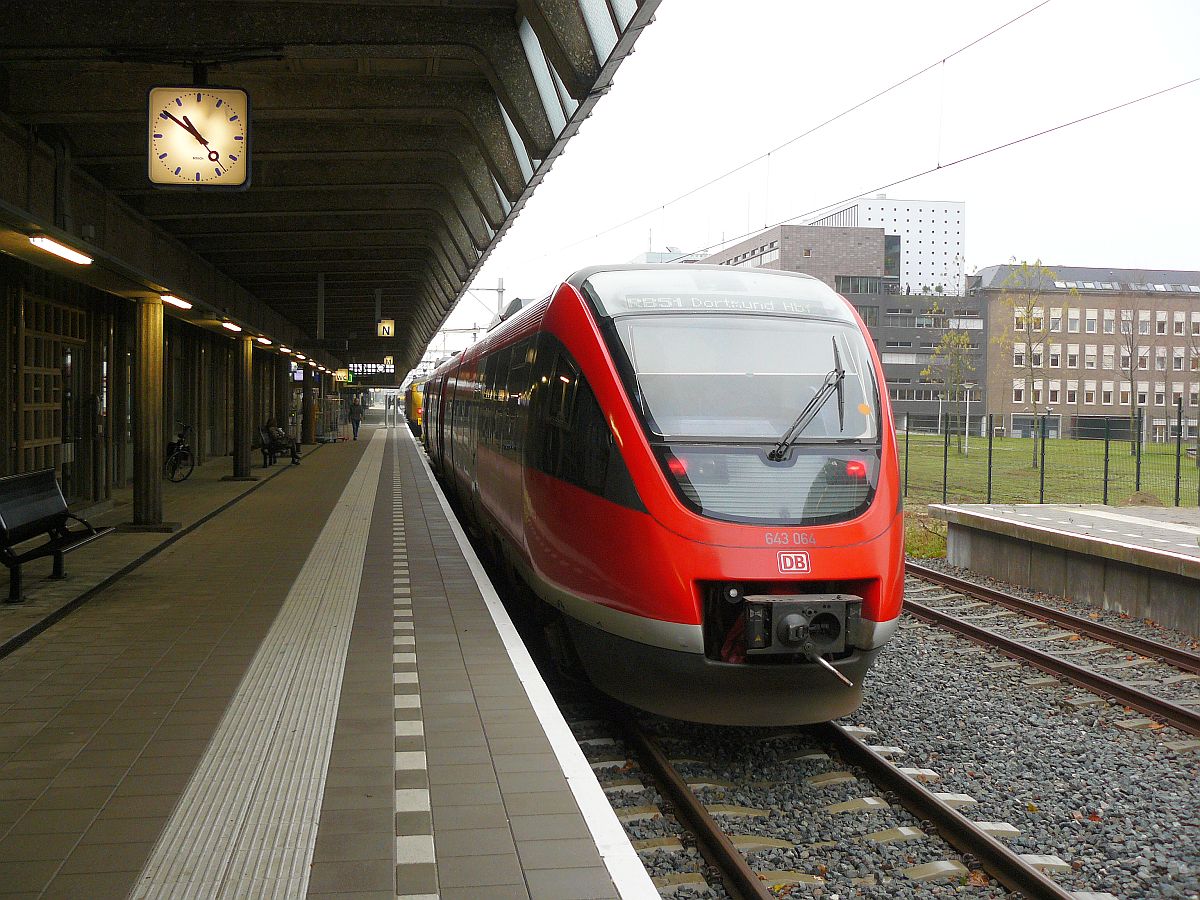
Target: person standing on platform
[{"x": 356, "y": 414}]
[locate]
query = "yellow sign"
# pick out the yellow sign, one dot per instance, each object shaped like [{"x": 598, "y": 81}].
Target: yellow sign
[
  {"x": 386, "y": 328},
  {"x": 341, "y": 375},
  {"x": 387, "y": 361}
]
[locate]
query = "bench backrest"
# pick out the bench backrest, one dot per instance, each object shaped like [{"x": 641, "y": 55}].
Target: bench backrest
[{"x": 30, "y": 504}]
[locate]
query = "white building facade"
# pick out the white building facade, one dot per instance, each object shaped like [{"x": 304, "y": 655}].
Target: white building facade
[{"x": 932, "y": 237}]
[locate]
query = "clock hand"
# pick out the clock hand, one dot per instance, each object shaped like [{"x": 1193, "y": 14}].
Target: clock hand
[
  {"x": 213, "y": 155},
  {"x": 186, "y": 125}
]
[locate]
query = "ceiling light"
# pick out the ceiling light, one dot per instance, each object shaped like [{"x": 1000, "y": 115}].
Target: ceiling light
[
  {"x": 301, "y": 356},
  {"x": 312, "y": 363},
  {"x": 231, "y": 326},
  {"x": 283, "y": 349},
  {"x": 62, "y": 250},
  {"x": 175, "y": 301},
  {"x": 266, "y": 342}
]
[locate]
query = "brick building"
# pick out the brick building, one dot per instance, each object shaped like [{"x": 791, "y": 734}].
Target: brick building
[{"x": 1098, "y": 344}]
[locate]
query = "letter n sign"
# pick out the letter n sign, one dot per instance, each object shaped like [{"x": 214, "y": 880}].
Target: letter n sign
[{"x": 386, "y": 328}]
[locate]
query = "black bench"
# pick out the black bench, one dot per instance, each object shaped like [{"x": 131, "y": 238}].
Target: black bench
[
  {"x": 32, "y": 505},
  {"x": 272, "y": 449}
]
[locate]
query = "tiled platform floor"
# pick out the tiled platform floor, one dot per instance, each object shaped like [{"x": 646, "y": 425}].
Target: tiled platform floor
[
  {"x": 440, "y": 781},
  {"x": 186, "y": 503}
]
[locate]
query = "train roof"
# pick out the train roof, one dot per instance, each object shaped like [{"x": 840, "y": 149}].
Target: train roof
[{"x": 582, "y": 275}]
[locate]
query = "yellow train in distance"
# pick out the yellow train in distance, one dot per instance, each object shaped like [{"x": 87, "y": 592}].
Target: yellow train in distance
[{"x": 414, "y": 406}]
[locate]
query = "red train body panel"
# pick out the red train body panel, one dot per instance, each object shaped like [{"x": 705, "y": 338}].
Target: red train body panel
[{"x": 659, "y": 545}]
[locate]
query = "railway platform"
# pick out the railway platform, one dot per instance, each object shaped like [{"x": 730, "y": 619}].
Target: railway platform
[
  {"x": 314, "y": 691},
  {"x": 1142, "y": 561}
]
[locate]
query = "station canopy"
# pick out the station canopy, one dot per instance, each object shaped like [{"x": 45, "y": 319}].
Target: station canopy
[{"x": 392, "y": 142}]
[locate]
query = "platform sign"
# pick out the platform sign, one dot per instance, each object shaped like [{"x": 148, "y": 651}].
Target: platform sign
[
  {"x": 342, "y": 375},
  {"x": 387, "y": 361},
  {"x": 386, "y": 328}
]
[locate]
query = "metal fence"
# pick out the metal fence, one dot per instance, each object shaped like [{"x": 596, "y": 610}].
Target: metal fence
[{"x": 1113, "y": 463}]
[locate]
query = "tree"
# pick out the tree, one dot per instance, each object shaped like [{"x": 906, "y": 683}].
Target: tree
[
  {"x": 1026, "y": 333},
  {"x": 1135, "y": 343},
  {"x": 950, "y": 367}
]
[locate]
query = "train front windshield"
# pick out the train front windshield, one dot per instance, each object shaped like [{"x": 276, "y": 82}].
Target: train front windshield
[{"x": 721, "y": 366}]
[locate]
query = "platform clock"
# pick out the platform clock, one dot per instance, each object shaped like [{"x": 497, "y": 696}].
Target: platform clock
[{"x": 199, "y": 137}]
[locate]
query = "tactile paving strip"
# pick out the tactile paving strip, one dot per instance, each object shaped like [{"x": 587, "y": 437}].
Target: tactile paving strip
[
  {"x": 246, "y": 822},
  {"x": 414, "y": 839}
]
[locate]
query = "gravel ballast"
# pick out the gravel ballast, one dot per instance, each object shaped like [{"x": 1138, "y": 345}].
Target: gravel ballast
[{"x": 1118, "y": 806}]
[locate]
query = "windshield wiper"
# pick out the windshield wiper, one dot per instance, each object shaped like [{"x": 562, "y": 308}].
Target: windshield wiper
[{"x": 833, "y": 384}]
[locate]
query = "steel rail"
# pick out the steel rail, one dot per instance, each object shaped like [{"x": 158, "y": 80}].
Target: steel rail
[
  {"x": 997, "y": 860},
  {"x": 1172, "y": 713},
  {"x": 1176, "y": 656},
  {"x": 740, "y": 878}
]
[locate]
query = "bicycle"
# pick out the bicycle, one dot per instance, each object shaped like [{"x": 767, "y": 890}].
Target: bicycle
[{"x": 180, "y": 459}]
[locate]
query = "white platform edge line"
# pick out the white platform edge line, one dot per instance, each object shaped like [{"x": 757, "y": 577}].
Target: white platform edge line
[{"x": 624, "y": 866}]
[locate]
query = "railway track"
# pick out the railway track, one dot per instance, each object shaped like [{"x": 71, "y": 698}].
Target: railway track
[
  {"x": 1186, "y": 665},
  {"x": 631, "y": 762}
]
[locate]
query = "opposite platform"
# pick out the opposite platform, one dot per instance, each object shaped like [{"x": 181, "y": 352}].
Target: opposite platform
[
  {"x": 1143, "y": 561},
  {"x": 318, "y": 696}
]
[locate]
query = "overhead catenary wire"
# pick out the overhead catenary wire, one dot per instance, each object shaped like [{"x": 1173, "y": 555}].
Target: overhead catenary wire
[
  {"x": 806, "y": 133},
  {"x": 962, "y": 159}
]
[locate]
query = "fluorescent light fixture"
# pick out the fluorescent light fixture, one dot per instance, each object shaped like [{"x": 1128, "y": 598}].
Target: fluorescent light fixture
[
  {"x": 266, "y": 342},
  {"x": 312, "y": 363},
  {"x": 283, "y": 349},
  {"x": 301, "y": 356},
  {"x": 175, "y": 301},
  {"x": 231, "y": 326},
  {"x": 61, "y": 250}
]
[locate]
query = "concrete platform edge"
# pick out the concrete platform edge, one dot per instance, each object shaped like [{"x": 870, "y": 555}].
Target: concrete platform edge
[{"x": 624, "y": 867}]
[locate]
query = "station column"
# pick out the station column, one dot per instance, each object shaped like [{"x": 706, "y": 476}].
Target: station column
[
  {"x": 308, "y": 412},
  {"x": 148, "y": 448},
  {"x": 283, "y": 393},
  {"x": 242, "y": 426}
]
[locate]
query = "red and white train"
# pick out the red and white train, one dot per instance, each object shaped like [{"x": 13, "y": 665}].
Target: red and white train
[{"x": 695, "y": 467}]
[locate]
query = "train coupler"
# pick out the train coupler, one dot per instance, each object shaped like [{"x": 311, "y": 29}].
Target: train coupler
[{"x": 810, "y": 625}]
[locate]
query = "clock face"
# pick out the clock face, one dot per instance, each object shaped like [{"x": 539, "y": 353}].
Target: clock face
[{"x": 199, "y": 136}]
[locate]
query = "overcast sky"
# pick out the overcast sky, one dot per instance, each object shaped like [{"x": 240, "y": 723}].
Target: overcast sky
[{"x": 712, "y": 85}]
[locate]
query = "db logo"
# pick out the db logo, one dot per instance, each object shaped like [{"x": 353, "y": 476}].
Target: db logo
[{"x": 793, "y": 563}]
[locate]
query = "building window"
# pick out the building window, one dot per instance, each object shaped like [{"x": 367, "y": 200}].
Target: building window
[
  {"x": 870, "y": 315},
  {"x": 1089, "y": 397},
  {"x": 1073, "y": 356},
  {"x": 1089, "y": 357},
  {"x": 1124, "y": 396},
  {"x": 1072, "y": 395},
  {"x": 1037, "y": 357},
  {"x": 1106, "y": 396},
  {"x": 1019, "y": 355},
  {"x": 1056, "y": 320},
  {"x": 1108, "y": 357},
  {"x": 1055, "y": 356},
  {"x": 808, "y": 251},
  {"x": 1110, "y": 324},
  {"x": 1073, "y": 321},
  {"x": 1141, "y": 397},
  {"x": 1089, "y": 324},
  {"x": 1160, "y": 398},
  {"x": 1018, "y": 394}
]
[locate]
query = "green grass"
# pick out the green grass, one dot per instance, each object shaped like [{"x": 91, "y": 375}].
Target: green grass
[{"x": 1074, "y": 472}]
